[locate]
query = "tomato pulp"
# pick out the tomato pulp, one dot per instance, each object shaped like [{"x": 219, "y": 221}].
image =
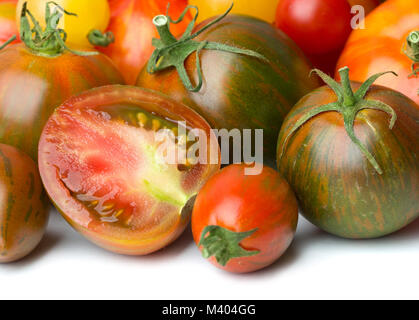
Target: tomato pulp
[{"x": 100, "y": 164}]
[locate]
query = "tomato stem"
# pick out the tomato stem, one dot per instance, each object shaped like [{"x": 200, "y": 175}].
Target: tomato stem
[
  {"x": 411, "y": 49},
  {"x": 97, "y": 38},
  {"x": 50, "y": 41},
  {"x": 348, "y": 104},
  {"x": 171, "y": 52},
  {"x": 224, "y": 244}
]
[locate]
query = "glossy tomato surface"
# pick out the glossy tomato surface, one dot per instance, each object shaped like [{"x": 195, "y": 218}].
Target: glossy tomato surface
[
  {"x": 131, "y": 23},
  {"x": 264, "y": 204},
  {"x": 337, "y": 187},
  {"x": 23, "y": 205},
  {"x": 379, "y": 47},
  {"x": 91, "y": 14},
  {"x": 100, "y": 163},
  {"x": 7, "y": 20},
  {"x": 262, "y": 9},
  {"x": 241, "y": 92},
  {"x": 317, "y": 26},
  {"x": 32, "y": 86},
  {"x": 368, "y": 5}
]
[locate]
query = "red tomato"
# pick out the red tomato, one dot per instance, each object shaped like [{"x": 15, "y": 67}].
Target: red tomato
[
  {"x": 369, "y": 5},
  {"x": 99, "y": 162},
  {"x": 317, "y": 26},
  {"x": 131, "y": 23},
  {"x": 244, "y": 223},
  {"x": 7, "y": 20}
]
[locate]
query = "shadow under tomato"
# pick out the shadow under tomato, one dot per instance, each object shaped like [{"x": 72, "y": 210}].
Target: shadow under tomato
[
  {"x": 174, "y": 249},
  {"x": 49, "y": 242},
  {"x": 316, "y": 236}
]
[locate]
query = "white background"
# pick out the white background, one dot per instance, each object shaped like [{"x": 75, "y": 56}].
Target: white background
[{"x": 317, "y": 266}]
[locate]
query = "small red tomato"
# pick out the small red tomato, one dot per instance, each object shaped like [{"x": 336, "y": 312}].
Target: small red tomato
[
  {"x": 244, "y": 223},
  {"x": 317, "y": 26}
]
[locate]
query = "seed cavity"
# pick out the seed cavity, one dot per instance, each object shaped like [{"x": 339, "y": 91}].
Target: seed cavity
[{"x": 142, "y": 119}]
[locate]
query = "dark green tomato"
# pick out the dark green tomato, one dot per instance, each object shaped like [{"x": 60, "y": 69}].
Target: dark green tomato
[
  {"x": 32, "y": 86},
  {"x": 338, "y": 189},
  {"x": 239, "y": 91},
  {"x": 23, "y": 205}
]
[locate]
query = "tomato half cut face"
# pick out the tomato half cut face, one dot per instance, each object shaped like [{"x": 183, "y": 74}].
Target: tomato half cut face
[{"x": 103, "y": 165}]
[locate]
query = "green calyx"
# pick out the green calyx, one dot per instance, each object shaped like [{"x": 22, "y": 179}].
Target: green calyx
[
  {"x": 97, "y": 38},
  {"x": 348, "y": 105},
  {"x": 412, "y": 51},
  {"x": 49, "y": 42},
  {"x": 171, "y": 52},
  {"x": 224, "y": 244}
]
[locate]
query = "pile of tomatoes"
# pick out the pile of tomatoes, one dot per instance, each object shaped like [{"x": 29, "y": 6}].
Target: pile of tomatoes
[{"x": 96, "y": 95}]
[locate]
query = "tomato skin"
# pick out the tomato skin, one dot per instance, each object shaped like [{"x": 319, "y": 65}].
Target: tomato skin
[
  {"x": 262, "y": 9},
  {"x": 378, "y": 48},
  {"x": 131, "y": 23},
  {"x": 32, "y": 86},
  {"x": 240, "y": 203},
  {"x": 24, "y": 208},
  {"x": 7, "y": 20},
  {"x": 369, "y": 5},
  {"x": 241, "y": 92},
  {"x": 108, "y": 161},
  {"x": 338, "y": 190},
  {"x": 317, "y": 26},
  {"x": 91, "y": 14}
]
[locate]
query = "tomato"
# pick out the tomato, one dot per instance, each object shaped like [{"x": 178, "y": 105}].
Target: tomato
[
  {"x": 369, "y": 5},
  {"x": 33, "y": 83},
  {"x": 239, "y": 91},
  {"x": 244, "y": 223},
  {"x": 7, "y": 20},
  {"x": 317, "y": 26},
  {"x": 100, "y": 163},
  {"x": 131, "y": 23},
  {"x": 91, "y": 15},
  {"x": 262, "y": 9},
  {"x": 353, "y": 167},
  {"x": 24, "y": 205},
  {"x": 381, "y": 47}
]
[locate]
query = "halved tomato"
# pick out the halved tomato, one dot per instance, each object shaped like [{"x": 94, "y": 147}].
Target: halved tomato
[{"x": 100, "y": 163}]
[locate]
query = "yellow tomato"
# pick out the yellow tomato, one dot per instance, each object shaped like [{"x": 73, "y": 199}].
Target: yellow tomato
[
  {"x": 262, "y": 9},
  {"x": 91, "y": 14}
]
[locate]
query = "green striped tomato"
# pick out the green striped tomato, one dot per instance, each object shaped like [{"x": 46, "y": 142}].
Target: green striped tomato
[
  {"x": 338, "y": 189},
  {"x": 23, "y": 205},
  {"x": 239, "y": 91},
  {"x": 32, "y": 86}
]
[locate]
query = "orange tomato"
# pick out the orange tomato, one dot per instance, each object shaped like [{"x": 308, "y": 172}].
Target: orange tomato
[{"x": 380, "y": 47}]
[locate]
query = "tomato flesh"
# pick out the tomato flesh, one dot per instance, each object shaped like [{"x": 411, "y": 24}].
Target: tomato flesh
[{"x": 123, "y": 192}]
